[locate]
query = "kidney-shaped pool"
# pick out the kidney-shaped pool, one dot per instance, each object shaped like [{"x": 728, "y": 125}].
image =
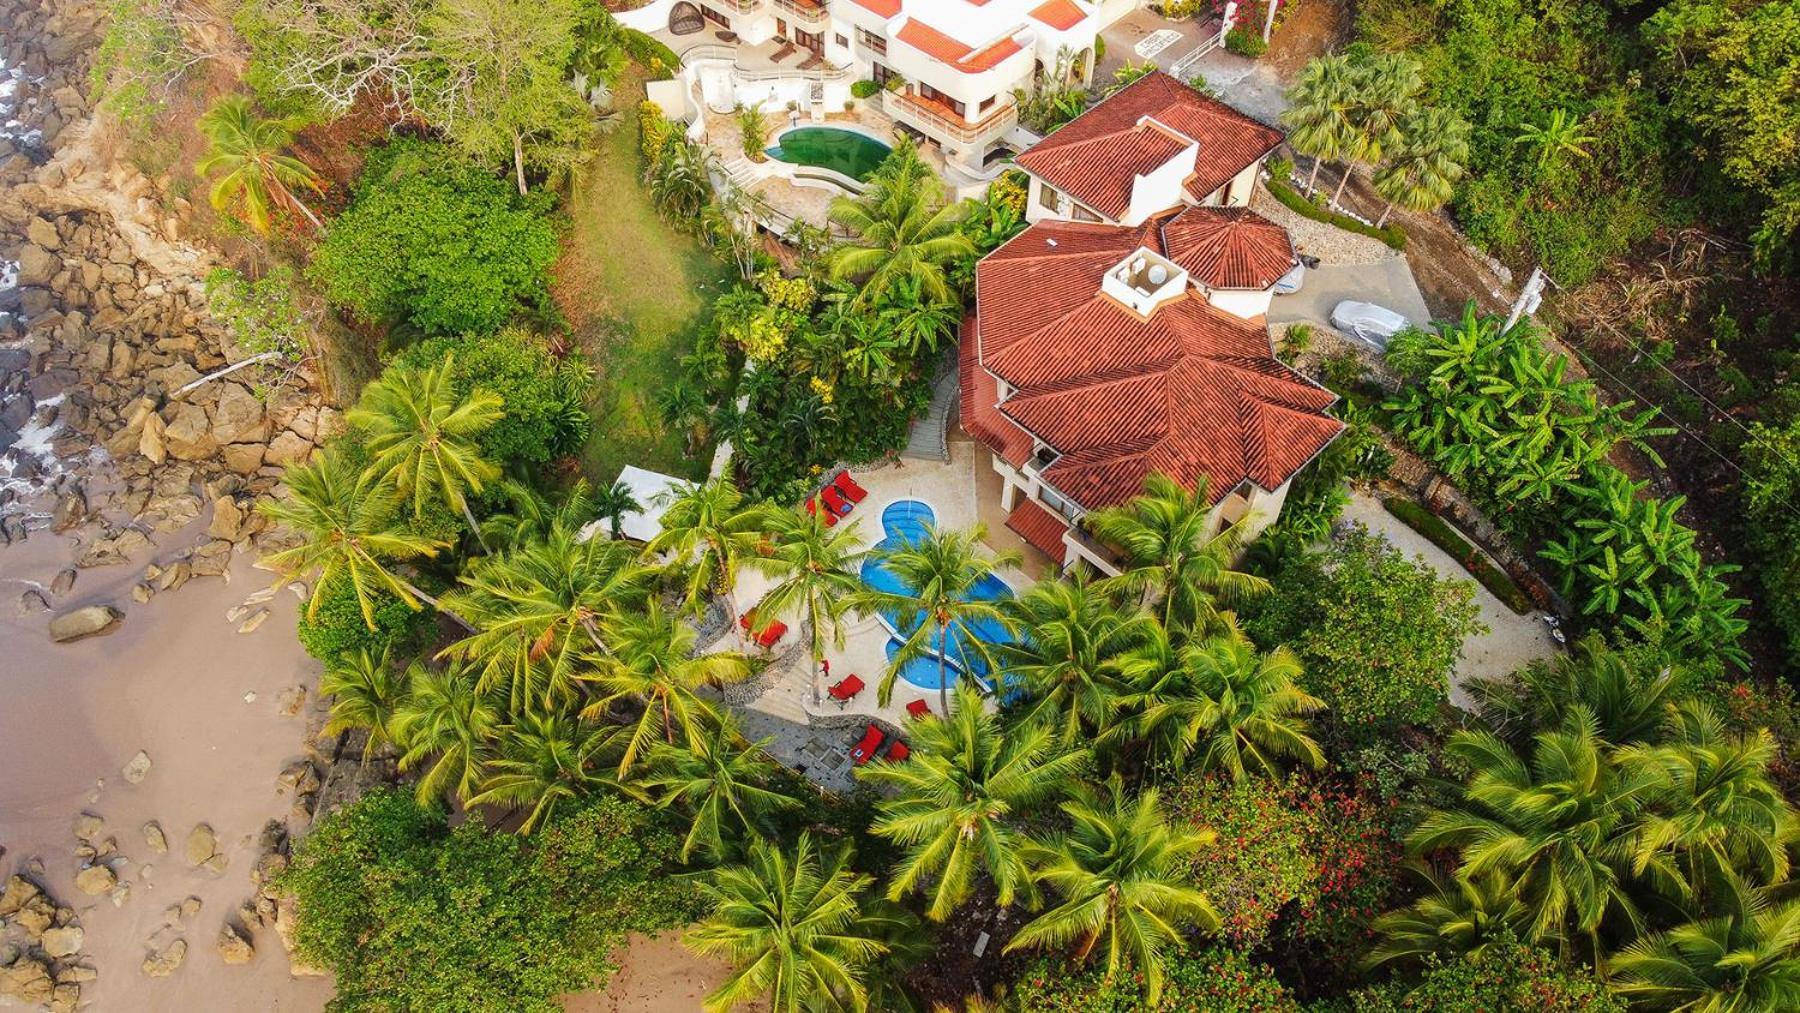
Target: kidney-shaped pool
[{"x": 842, "y": 151}]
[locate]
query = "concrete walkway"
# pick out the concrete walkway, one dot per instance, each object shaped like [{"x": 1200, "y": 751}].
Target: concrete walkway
[
  {"x": 1512, "y": 640},
  {"x": 1389, "y": 283}
]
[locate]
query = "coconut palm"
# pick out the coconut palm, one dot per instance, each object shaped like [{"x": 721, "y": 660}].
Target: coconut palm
[
  {"x": 1067, "y": 670},
  {"x": 613, "y": 503},
  {"x": 903, "y": 230},
  {"x": 817, "y": 569},
  {"x": 1120, "y": 875},
  {"x": 796, "y": 927},
  {"x": 345, "y": 519},
  {"x": 1560, "y": 827},
  {"x": 959, "y": 799},
  {"x": 1629, "y": 691},
  {"x": 1317, "y": 116},
  {"x": 653, "y": 667},
  {"x": 1458, "y": 916},
  {"x": 722, "y": 781},
  {"x": 1745, "y": 960},
  {"x": 937, "y": 604},
  {"x": 1421, "y": 174},
  {"x": 1557, "y": 138},
  {"x": 542, "y": 761},
  {"x": 1172, "y": 555},
  {"x": 683, "y": 405},
  {"x": 255, "y": 178},
  {"x": 707, "y": 531},
  {"x": 421, "y": 436},
  {"x": 366, "y": 692},
  {"x": 532, "y": 516},
  {"x": 1235, "y": 709},
  {"x": 1714, "y": 806},
  {"x": 1383, "y": 93},
  {"x": 537, "y": 609},
  {"x": 449, "y": 721}
]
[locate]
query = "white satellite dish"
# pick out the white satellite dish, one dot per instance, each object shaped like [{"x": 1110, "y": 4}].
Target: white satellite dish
[{"x": 1158, "y": 274}]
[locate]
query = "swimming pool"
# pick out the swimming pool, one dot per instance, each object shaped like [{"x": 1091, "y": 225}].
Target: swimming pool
[
  {"x": 842, "y": 151},
  {"x": 905, "y": 522}
]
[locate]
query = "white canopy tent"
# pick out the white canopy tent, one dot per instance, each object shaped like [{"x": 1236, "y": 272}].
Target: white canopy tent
[{"x": 653, "y": 491}]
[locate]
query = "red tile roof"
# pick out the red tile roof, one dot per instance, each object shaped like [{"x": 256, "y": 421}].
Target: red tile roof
[
  {"x": 885, "y": 8},
  {"x": 1192, "y": 391},
  {"x": 1228, "y": 247},
  {"x": 976, "y": 406},
  {"x": 1061, "y": 15},
  {"x": 945, "y": 49},
  {"x": 1094, "y": 157},
  {"x": 1041, "y": 529}
]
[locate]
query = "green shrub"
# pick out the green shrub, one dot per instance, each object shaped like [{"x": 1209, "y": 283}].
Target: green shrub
[
  {"x": 338, "y": 628},
  {"x": 1216, "y": 980},
  {"x": 438, "y": 244},
  {"x": 544, "y": 398},
  {"x": 1390, "y": 235},
  {"x": 653, "y": 56},
  {"x": 1245, "y": 41},
  {"x": 1506, "y": 976},
  {"x": 409, "y": 914},
  {"x": 1440, "y": 533},
  {"x": 1261, "y": 861},
  {"x": 864, "y": 88}
]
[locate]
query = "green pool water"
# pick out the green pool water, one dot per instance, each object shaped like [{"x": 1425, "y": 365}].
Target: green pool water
[{"x": 846, "y": 151}]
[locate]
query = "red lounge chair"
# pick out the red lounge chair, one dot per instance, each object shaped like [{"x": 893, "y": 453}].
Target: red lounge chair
[
  {"x": 744, "y": 621},
  {"x": 846, "y": 690},
  {"x": 843, "y": 483},
  {"x": 863, "y": 751},
  {"x": 771, "y": 633},
  {"x": 898, "y": 751},
  {"x": 812, "y": 507},
  {"x": 918, "y": 708},
  {"x": 834, "y": 500}
]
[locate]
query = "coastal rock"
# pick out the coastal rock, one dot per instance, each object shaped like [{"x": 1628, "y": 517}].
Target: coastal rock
[
  {"x": 255, "y": 620},
  {"x": 238, "y": 416},
  {"x": 19, "y": 891},
  {"x": 120, "y": 894},
  {"x": 88, "y": 827},
  {"x": 288, "y": 447},
  {"x": 28, "y": 981},
  {"x": 187, "y": 433},
  {"x": 37, "y": 266},
  {"x": 167, "y": 960},
  {"x": 211, "y": 559},
  {"x": 42, "y": 233},
  {"x": 300, "y": 778},
  {"x": 33, "y": 600},
  {"x": 243, "y": 458},
  {"x": 117, "y": 549},
  {"x": 268, "y": 867},
  {"x": 233, "y": 946},
  {"x": 155, "y": 838},
  {"x": 142, "y": 593},
  {"x": 174, "y": 577},
  {"x": 36, "y": 917},
  {"x": 227, "y": 519},
  {"x": 290, "y": 702},
  {"x": 63, "y": 942},
  {"x": 95, "y": 880},
  {"x": 84, "y": 622},
  {"x": 137, "y": 768},
  {"x": 64, "y": 582},
  {"x": 189, "y": 906},
  {"x": 216, "y": 864},
  {"x": 70, "y": 511},
  {"x": 201, "y": 844}
]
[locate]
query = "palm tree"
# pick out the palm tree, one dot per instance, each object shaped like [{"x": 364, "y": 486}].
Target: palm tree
[
  {"x": 421, "y": 436},
  {"x": 544, "y": 760},
  {"x": 653, "y": 666},
  {"x": 1629, "y": 691},
  {"x": 683, "y": 405},
  {"x": 1560, "y": 827},
  {"x": 1747, "y": 959},
  {"x": 1421, "y": 175},
  {"x": 1240, "y": 711},
  {"x": 1068, "y": 668},
  {"x": 1119, "y": 872},
  {"x": 681, "y": 180},
  {"x": 1317, "y": 116},
  {"x": 1560, "y": 136},
  {"x": 959, "y": 799},
  {"x": 257, "y": 178},
  {"x": 722, "y": 781},
  {"x": 366, "y": 692},
  {"x": 796, "y": 927},
  {"x": 1172, "y": 555},
  {"x": 1383, "y": 92},
  {"x": 538, "y": 609},
  {"x": 344, "y": 516},
  {"x": 1459, "y": 916},
  {"x": 904, "y": 230},
  {"x": 532, "y": 516},
  {"x": 707, "y": 531},
  {"x": 613, "y": 503},
  {"x": 450, "y": 721},
  {"x": 817, "y": 569},
  {"x": 938, "y": 576}
]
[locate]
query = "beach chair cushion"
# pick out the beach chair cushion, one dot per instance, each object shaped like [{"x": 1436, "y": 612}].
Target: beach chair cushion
[
  {"x": 864, "y": 750},
  {"x": 846, "y": 485},
  {"x": 918, "y": 708},
  {"x": 848, "y": 688}
]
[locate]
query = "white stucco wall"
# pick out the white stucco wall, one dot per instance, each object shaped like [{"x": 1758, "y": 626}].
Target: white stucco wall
[{"x": 1241, "y": 302}]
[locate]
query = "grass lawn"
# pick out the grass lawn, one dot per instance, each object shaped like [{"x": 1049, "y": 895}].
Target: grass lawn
[{"x": 635, "y": 290}]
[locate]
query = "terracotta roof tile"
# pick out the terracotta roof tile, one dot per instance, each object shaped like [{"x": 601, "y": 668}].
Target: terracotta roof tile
[
  {"x": 1094, "y": 157},
  {"x": 958, "y": 56},
  {"x": 1040, "y": 528},
  {"x": 885, "y": 8},
  {"x": 1228, "y": 247},
  {"x": 1191, "y": 391},
  {"x": 1061, "y": 15}
]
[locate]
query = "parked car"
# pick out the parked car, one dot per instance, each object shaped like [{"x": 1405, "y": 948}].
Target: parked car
[
  {"x": 1368, "y": 323},
  {"x": 1290, "y": 282}
]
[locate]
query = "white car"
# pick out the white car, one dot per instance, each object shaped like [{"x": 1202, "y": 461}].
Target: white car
[
  {"x": 1368, "y": 323},
  {"x": 1291, "y": 282}
]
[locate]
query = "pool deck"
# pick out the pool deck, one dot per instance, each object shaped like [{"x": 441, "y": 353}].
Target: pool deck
[{"x": 785, "y": 708}]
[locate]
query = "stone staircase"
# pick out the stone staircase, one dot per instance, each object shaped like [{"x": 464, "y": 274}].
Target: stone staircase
[{"x": 929, "y": 439}]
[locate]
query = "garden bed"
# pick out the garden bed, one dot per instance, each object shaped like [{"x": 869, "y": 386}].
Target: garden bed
[
  {"x": 1443, "y": 535},
  {"x": 1297, "y": 203}
]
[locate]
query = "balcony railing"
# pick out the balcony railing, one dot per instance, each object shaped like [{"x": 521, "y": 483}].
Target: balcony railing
[
  {"x": 943, "y": 119},
  {"x": 806, "y": 13},
  {"x": 741, "y": 6}
]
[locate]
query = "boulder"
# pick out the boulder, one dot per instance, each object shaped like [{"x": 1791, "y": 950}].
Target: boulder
[
  {"x": 37, "y": 266},
  {"x": 243, "y": 458},
  {"x": 201, "y": 844},
  {"x": 142, "y": 592},
  {"x": 211, "y": 559},
  {"x": 19, "y": 891},
  {"x": 233, "y": 946},
  {"x": 36, "y": 917},
  {"x": 114, "y": 550},
  {"x": 174, "y": 577},
  {"x": 84, "y": 622},
  {"x": 42, "y": 233},
  {"x": 95, "y": 880},
  {"x": 301, "y": 778},
  {"x": 28, "y": 981},
  {"x": 187, "y": 434},
  {"x": 216, "y": 864},
  {"x": 64, "y": 582},
  {"x": 227, "y": 519},
  {"x": 137, "y": 768},
  {"x": 288, "y": 447},
  {"x": 167, "y": 960},
  {"x": 63, "y": 942},
  {"x": 238, "y": 416},
  {"x": 88, "y": 827},
  {"x": 155, "y": 838}
]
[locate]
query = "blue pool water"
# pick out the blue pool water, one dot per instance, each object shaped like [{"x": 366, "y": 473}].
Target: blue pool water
[{"x": 903, "y": 523}]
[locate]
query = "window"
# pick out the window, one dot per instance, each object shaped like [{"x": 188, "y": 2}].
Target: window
[
  {"x": 872, "y": 42},
  {"x": 881, "y": 74},
  {"x": 1082, "y": 214},
  {"x": 988, "y": 103},
  {"x": 942, "y": 99},
  {"x": 715, "y": 17},
  {"x": 1048, "y": 198},
  {"x": 840, "y": 41}
]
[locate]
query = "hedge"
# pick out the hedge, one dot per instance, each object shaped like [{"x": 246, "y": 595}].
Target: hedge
[
  {"x": 1439, "y": 533},
  {"x": 655, "y": 57},
  {"x": 1390, "y": 235}
]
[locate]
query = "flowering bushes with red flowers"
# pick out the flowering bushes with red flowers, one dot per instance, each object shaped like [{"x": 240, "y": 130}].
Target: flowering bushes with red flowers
[
  {"x": 1358, "y": 860},
  {"x": 1263, "y": 859},
  {"x": 1214, "y": 981}
]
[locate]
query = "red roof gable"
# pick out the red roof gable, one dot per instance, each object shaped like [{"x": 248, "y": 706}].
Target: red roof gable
[
  {"x": 1094, "y": 157},
  {"x": 1041, "y": 529},
  {"x": 945, "y": 49},
  {"x": 885, "y": 8},
  {"x": 1061, "y": 15},
  {"x": 1191, "y": 391},
  {"x": 1229, "y": 247}
]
